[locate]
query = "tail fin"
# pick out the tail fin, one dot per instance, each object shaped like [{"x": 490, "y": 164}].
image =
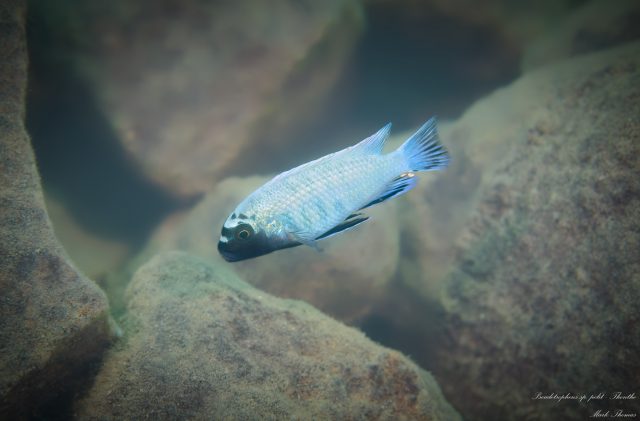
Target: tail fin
[{"x": 423, "y": 151}]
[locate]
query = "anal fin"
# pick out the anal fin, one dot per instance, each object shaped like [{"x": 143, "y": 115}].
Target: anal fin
[
  {"x": 350, "y": 222},
  {"x": 399, "y": 185}
]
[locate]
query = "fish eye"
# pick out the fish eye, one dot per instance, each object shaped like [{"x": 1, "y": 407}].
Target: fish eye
[{"x": 244, "y": 232}]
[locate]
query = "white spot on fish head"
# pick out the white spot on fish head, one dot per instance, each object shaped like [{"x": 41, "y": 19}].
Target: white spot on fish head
[{"x": 237, "y": 219}]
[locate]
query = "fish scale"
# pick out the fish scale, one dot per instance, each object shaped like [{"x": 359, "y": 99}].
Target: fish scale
[{"x": 307, "y": 198}]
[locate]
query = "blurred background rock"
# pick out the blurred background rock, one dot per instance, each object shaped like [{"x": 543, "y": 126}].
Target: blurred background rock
[{"x": 201, "y": 80}]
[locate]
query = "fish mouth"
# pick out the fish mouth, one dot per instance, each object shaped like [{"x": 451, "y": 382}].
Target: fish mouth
[
  {"x": 228, "y": 255},
  {"x": 233, "y": 250}
]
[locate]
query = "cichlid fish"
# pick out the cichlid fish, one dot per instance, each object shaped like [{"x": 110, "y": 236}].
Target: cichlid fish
[{"x": 324, "y": 197}]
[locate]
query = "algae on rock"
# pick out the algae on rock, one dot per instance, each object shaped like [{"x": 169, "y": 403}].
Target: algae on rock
[
  {"x": 53, "y": 321},
  {"x": 543, "y": 285},
  {"x": 204, "y": 344}
]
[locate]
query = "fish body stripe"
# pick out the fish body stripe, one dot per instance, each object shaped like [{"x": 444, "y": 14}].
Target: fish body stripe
[{"x": 318, "y": 197}]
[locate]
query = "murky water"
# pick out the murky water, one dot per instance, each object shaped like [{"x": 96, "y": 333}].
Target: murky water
[{"x": 511, "y": 273}]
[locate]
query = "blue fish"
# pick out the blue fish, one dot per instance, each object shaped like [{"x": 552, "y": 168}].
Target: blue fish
[{"x": 325, "y": 197}]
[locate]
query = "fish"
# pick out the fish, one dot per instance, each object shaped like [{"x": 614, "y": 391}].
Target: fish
[{"x": 328, "y": 196}]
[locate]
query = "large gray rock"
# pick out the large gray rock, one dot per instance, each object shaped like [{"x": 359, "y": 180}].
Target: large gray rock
[
  {"x": 191, "y": 87},
  {"x": 53, "y": 321},
  {"x": 202, "y": 344},
  {"x": 541, "y": 289}
]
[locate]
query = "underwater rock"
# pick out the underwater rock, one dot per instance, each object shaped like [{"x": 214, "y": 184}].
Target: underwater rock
[
  {"x": 202, "y": 344},
  {"x": 595, "y": 26},
  {"x": 194, "y": 87},
  {"x": 53, "y": 321},
  {"x": 542, "y": 293},
  {"x": 345, "y": 279}
]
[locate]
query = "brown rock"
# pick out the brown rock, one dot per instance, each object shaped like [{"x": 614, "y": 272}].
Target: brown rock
[
  {"x": 53, "y": 321},
  {"x": 202, "y": 344},
  {"x": 542, "y": 289}
]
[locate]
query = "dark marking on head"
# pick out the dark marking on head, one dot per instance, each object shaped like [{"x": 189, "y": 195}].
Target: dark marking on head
[
  {"x": 244, "y": 242},
  {"x": 242, "y": 216},
  {"x": 233, "y": 215}
]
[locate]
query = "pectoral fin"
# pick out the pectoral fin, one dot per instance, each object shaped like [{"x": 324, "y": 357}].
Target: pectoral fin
[{"x": 303, "y": 238}]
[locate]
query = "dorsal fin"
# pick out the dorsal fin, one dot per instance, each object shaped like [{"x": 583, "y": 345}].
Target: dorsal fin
[
  {"x": 373, "y": 144},
  {"x": 399, "y": 185},
  {"x": 350, "y": 222}
]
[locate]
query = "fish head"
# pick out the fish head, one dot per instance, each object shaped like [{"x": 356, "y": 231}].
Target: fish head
[{"x": 242, "y": 238}]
